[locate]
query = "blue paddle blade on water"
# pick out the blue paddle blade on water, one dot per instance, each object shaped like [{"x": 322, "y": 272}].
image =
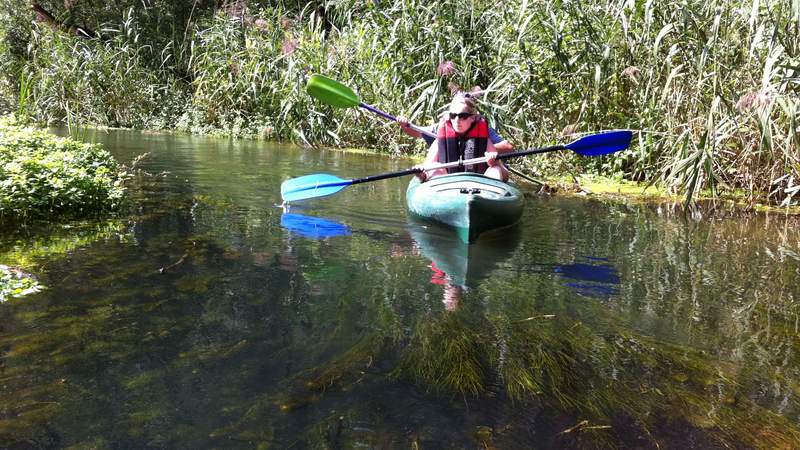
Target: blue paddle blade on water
[
  {"x": 312, "y": 186},
  {"x": 313, "y": 227},
  {"x": 602, "y": 143}
]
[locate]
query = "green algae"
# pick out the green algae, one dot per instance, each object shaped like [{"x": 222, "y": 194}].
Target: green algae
[
  {"x": 445, "y": 356},
  {"x": 27, "y": 248},
  {"x": 612, "y": 188}
]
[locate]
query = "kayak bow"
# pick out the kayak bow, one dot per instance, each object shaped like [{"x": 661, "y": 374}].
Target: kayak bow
[{"x": 468, "y": 202}]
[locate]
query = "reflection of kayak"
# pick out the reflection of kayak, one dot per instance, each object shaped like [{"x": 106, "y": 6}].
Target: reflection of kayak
[
  {"x": 469, "y": 202},
  {"x": 465, "y": 264}
]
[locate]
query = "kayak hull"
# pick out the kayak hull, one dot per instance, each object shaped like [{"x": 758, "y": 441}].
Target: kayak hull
[{"x": 470, "y": 203}]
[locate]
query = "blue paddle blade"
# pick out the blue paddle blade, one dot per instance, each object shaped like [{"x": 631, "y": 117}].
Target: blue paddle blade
[
  {"x": 312, "y": 186},
  {"x": 313, "y": 227},
  {"x": 602, "y": 143}
]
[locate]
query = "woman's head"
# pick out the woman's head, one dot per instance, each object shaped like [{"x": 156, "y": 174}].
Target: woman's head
[{"x": 462, "y": 111}]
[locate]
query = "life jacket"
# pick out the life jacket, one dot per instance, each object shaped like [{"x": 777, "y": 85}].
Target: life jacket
[{"x": 471, "y": 144}]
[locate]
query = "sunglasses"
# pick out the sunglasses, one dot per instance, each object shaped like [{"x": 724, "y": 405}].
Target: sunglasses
[{"x": 462, "y": 115}]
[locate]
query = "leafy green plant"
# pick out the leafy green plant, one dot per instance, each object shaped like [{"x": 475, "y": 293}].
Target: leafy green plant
[{"x": 43, "y": 175}]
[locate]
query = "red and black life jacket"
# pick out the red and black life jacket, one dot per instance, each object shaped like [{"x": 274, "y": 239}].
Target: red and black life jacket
[{"x": 471, "y": 144}]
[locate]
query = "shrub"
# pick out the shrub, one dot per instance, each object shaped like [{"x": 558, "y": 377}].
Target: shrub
[{"x": 43, "y": 175}]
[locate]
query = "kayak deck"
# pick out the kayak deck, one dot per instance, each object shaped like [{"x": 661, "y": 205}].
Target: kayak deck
[{"x": 468, "y": 202}]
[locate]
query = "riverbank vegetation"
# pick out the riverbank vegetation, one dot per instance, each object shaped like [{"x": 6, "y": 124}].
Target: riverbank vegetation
[
  {"x": 43, "y": 175},
  {"x": 711, "y": 88}
]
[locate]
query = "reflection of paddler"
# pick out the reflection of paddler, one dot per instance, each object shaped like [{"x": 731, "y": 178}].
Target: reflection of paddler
[
  {"x": 452, "y": 296},
  {"x": 452, "y": 292},
  {"x": 438, "y": 277},
  {"x": 456, "y": 262}
]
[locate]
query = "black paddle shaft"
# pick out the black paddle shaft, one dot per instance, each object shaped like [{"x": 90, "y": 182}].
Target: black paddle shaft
[
  {"x": 414, "y": 170},
  {"x": 384, "y": 176},
  {"x": 536, "y": 151}
]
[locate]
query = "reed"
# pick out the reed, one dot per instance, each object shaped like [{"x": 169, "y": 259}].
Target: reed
[
  {"x": 711, "y": 87},
  {"x": 94, "y": 81}
]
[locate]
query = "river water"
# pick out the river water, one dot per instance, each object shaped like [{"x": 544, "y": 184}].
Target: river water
[{"x": 206, "y": 316}]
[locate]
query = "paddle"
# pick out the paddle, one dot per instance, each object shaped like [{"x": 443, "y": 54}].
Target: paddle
[
  {"x": 336, "y": 94},
  {"x": 321, "y": 185}
]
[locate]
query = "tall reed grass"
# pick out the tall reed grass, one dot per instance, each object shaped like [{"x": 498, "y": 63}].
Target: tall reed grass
[
  {"x": 711, "y": 87},
  {"x": 74, "y": 80}
]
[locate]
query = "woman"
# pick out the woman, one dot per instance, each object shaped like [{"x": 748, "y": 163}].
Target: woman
[
  {"x": 463, "y": 134},
  {"x": 500, "y": 143}
]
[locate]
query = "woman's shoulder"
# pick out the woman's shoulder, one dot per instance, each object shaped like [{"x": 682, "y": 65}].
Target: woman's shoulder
[{"x": 481, "y": 122}]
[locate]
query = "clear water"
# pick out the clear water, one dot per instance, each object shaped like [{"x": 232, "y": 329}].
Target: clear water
[{"x": 206, "y": 316}]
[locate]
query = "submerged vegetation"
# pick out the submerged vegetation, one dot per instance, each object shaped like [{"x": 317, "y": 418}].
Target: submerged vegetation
[
  {"x": 711, "y": 88},
  {"x": 42, "y": 175}
]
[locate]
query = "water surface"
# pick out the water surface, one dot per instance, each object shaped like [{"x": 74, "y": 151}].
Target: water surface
[{"x": 206, "y": 316}]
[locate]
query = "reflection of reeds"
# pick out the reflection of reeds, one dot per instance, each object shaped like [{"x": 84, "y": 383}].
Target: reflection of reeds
[
  {"x": 708, "y": 280},
  {"x": 61, "y": 242},
  {"x": 513, "y": 343},
  {"x": 607, "y": 380}
]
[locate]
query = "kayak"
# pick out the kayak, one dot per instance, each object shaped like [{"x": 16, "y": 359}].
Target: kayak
[{"x": 468, "y": 202}]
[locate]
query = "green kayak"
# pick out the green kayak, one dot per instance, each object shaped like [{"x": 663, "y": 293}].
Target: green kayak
[{"x": 469, "y": 202}]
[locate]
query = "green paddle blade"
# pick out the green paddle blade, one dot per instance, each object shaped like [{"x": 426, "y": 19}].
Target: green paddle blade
[{"x": 331, "y": 92}]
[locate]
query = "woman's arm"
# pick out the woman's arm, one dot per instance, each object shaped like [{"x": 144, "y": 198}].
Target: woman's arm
[
  {"x": 500, "y": 143},
  {"x": 504, "y": 147},
  {"x": 433, "y": 154},
  {"x": 406, "y": 127},
  {"x": 431, "y": 157}
]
